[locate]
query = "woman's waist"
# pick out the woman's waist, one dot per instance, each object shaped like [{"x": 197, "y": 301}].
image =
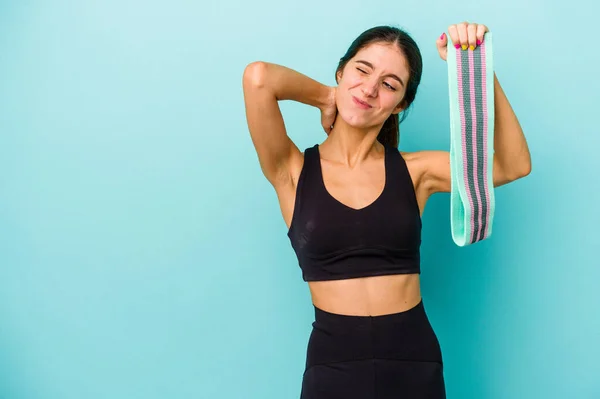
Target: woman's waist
[{"x": 367, "y": 296}]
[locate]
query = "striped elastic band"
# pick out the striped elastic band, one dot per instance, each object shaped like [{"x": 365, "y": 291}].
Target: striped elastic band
[{"x": 471, "y": 89}]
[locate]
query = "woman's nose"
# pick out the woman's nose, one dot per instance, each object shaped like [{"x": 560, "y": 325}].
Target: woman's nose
[{"x": 369, "y": 87}]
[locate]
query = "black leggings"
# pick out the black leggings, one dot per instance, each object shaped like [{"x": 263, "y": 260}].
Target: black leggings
[{"x": 373, "y": 357}]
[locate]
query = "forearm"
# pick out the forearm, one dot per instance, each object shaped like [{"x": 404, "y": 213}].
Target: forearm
[
  {"x": 287, "y": 84},
  {"x": 510, "y": 146}
]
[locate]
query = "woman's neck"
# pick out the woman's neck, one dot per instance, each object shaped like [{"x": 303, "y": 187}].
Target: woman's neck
[{"x": 350, "y": 145}]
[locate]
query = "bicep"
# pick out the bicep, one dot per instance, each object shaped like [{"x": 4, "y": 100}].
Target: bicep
[{"x": 267, "y": 129}]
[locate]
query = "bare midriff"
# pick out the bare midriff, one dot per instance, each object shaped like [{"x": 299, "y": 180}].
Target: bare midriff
[{"x": 367, "y": 296}]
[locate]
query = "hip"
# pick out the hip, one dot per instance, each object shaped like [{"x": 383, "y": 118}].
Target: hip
[
  {"x": 373, "y": 357},
  {"x": 405, "y": 336}
]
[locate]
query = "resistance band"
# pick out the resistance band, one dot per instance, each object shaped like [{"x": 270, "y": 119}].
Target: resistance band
[{"x": 471, "y": 88}]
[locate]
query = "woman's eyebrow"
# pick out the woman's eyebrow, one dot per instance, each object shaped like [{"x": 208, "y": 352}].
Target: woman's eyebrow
[{"x": 391, "y": 75}]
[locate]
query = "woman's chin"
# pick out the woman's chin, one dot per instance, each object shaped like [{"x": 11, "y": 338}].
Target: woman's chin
[{"x": 355, "y": 120}]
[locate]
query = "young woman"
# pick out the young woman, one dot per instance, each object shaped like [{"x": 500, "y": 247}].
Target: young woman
[{"x": 353, "y": 205}]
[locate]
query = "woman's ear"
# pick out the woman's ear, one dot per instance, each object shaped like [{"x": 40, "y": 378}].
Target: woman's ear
[{"x": 338, "y": 76}]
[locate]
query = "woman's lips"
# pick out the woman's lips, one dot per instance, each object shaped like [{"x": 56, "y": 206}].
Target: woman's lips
[{"x": 360, "y": 104}]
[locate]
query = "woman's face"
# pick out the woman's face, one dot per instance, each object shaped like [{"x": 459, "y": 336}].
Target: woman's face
[{"x": 372, "y": 85}]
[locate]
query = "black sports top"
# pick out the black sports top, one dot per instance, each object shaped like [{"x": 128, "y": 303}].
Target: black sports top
[{"x": 333, "y": 241}]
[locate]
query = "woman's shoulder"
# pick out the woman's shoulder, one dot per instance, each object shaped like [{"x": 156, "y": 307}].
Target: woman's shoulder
[
  {"x": 423, "y": 157},
  {"x": 417, "y": 162}
]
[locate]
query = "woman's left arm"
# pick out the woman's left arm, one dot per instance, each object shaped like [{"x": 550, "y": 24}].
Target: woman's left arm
[{"x": 512, "y": 160}]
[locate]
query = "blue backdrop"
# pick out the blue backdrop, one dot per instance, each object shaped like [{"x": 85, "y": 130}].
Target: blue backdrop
[{"x": 143, "y": 254}]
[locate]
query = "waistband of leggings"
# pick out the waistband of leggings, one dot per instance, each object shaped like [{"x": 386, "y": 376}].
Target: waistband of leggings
[{"x": 323, "y": 315}]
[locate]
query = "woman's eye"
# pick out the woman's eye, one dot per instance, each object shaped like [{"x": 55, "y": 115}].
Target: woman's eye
[
  {"x": 361, "y": 70},
  {"x": 389, "y": 86}
]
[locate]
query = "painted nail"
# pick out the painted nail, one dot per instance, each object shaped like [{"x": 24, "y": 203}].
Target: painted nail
[
  {"x": 464, "y": 46},
  {"x": 478, "y": 42},
  {"x": 442, "y": 36},
  {"x": 471, "y": 47},
  {"x": 457, "y": 46}
]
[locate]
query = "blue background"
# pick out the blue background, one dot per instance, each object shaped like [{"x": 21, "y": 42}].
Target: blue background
[{"x": 143, "y": 254}]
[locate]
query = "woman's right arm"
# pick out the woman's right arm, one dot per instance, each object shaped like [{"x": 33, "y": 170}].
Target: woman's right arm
[{"x": 264, "y": 85}]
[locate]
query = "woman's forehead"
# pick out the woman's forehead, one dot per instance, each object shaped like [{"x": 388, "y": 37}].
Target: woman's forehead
[{"x": 384, "y": 56}]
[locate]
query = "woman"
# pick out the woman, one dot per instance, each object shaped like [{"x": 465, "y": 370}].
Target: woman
[{"x": 353, "y": 205}]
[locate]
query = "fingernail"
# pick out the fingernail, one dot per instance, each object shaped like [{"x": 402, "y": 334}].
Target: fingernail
[
  {"x": 471, "y": 47},
  {"x": 442, "y": 36},
  {"x": 457, "y": 46},
  {"x": 478, "y": 42},
  {"x": 464, "y": 46}
]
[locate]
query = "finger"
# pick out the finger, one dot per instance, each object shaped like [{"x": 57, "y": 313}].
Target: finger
[
  {"x": 463, "y": 36},
  {"x": 481, "y": 29},
  {"x": 442, "y": 41},
  {"x": 453, "y": 32},
  {"x": 472, "y": 35},
  {"x": 442, "y": 46}
]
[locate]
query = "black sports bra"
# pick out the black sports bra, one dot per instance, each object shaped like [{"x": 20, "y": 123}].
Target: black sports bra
[{"x": 333, "y": 241}]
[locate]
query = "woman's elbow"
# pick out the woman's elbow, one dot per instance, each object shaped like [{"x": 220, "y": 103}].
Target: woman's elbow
[{"x": 254, "y": 74}]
